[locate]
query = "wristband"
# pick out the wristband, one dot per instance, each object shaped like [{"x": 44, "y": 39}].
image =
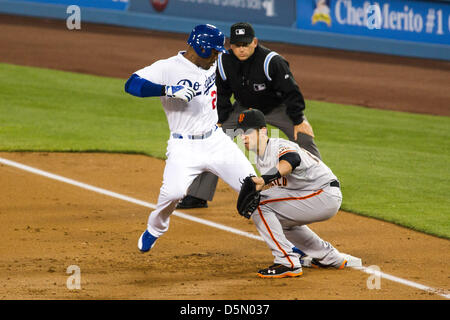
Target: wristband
[{"x": 268, "y": 178}]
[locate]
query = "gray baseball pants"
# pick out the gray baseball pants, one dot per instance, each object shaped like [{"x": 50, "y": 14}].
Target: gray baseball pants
[{"x": 282, "y": 218}]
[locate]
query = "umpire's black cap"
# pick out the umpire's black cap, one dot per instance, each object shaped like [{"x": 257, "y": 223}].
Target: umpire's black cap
[
  {"x": 241, "y": 32},
  {"x": 251, "y": 119}
]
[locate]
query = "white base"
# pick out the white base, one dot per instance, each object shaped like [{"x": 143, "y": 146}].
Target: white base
[{"x": 351, "y": 261}]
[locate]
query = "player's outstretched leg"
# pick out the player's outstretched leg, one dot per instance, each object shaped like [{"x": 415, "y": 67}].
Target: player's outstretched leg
[
  {"x": 323, "y": 254},
  {"x": 176, "y": 180},
  {"x": 158, "y": 220}
]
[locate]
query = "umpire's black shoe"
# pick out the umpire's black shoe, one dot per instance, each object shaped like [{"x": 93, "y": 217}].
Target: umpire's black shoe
[
  {"x": 280, "y": 271},
  {"x": 190, "y": 202}
]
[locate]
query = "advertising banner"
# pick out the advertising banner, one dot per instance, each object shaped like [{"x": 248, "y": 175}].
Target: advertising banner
[
  {"x": 99, "y": 4},
  {"x": 269, "y": 12},
  {"x": 418, "y": 21}
]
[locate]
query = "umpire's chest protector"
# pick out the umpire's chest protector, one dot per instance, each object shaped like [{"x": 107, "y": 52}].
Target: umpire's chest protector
[{"x": 250, "y": 80}]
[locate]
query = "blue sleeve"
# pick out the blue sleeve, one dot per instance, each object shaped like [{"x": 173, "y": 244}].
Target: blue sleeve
[{"x": 141, "y": 87}]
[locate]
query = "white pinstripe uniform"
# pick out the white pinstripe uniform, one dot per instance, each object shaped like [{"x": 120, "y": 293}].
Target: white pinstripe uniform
[{"x": 293, "y": 201}]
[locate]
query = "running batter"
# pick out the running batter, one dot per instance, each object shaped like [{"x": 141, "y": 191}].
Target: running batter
[
  {"x": 301, "y": 189},
  {"x": 186, "y": 85}
]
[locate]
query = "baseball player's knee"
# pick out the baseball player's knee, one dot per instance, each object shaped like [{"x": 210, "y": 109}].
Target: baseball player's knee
[
  {"x": 172, "y": 193},
  {"x": 288, "y": 225}
]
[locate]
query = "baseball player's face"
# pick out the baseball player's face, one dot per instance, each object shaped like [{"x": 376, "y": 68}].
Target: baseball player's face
[
  {"x": 250, "y": 139},
  {"x": 207, "y": 63},
  {"x": 243, "y": 51}
]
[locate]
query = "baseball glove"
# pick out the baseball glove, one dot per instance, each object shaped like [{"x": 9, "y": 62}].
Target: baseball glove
[{"x": 248, "y": 199}]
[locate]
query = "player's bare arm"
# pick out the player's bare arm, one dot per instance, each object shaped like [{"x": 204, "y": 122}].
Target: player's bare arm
[{"x": 284, "y": 168}]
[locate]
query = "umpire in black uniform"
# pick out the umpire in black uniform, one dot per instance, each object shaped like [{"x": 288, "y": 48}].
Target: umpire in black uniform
[{"x": 259, "y": 78}]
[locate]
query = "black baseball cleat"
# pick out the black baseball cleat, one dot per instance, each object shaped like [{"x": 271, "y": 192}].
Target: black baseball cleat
[
  {"x": 280, "y": 271},
  {"x": 190, "y": 202}
]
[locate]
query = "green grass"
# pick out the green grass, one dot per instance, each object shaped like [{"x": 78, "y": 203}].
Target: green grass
[
  {"x": 51, "y": 110},
  {"x": 393, "y": 166}
]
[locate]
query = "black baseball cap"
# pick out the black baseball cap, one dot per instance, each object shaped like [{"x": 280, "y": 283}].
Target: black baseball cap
[
  {"x": 241, "y": 32},
  {"x": 251, "y": 119}
]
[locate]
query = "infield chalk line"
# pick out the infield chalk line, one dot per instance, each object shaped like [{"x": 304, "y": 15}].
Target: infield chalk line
[{"x": 202, "y": 221}]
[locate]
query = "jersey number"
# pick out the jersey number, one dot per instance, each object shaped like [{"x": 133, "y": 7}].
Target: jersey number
[{"x": 214, "y": 94}]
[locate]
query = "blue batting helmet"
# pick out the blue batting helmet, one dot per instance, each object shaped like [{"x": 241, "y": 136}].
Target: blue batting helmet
[{"x": 206, "y": 37}]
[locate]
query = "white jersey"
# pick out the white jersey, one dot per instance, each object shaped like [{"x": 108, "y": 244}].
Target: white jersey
[
  {"x": 197, "y": 116},
  {"x": 311, "y": 174}
]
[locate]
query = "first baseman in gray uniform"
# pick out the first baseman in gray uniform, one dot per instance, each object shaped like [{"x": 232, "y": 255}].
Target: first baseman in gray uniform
[{"x": 298, "y": 189}]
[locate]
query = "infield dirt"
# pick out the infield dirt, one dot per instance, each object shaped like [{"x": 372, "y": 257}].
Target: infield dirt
[{"x": 46, "y": 226}]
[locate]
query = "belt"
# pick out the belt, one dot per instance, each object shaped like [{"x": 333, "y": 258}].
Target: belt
[
  {"x": 195, "y": 136},
  {"x": 335, "y": 183}
]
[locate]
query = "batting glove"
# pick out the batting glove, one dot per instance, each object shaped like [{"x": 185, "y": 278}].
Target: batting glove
[{"x": 180, "y": 92}]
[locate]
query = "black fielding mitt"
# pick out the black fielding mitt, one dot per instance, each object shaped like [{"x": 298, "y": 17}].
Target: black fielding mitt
[{"x": 248, "y": 199}]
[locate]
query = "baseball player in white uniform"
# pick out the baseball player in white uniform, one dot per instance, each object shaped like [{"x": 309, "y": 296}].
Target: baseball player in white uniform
[
  {"x": 298, "y": 189},
  {"x": 186, "y": 86}
]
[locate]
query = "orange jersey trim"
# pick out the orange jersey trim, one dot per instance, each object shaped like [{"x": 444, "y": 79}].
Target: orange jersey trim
[
  {"x": 292, "y": 198},
  {"x": 283, "y": 153}
]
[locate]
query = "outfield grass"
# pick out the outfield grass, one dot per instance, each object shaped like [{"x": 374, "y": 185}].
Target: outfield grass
[
  {"x": 393, "y": 166},
  {"x": 52, "y": 110}
]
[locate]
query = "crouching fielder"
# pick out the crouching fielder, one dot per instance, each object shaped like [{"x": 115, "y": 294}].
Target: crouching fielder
[{"x": 299, "y": 189}]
